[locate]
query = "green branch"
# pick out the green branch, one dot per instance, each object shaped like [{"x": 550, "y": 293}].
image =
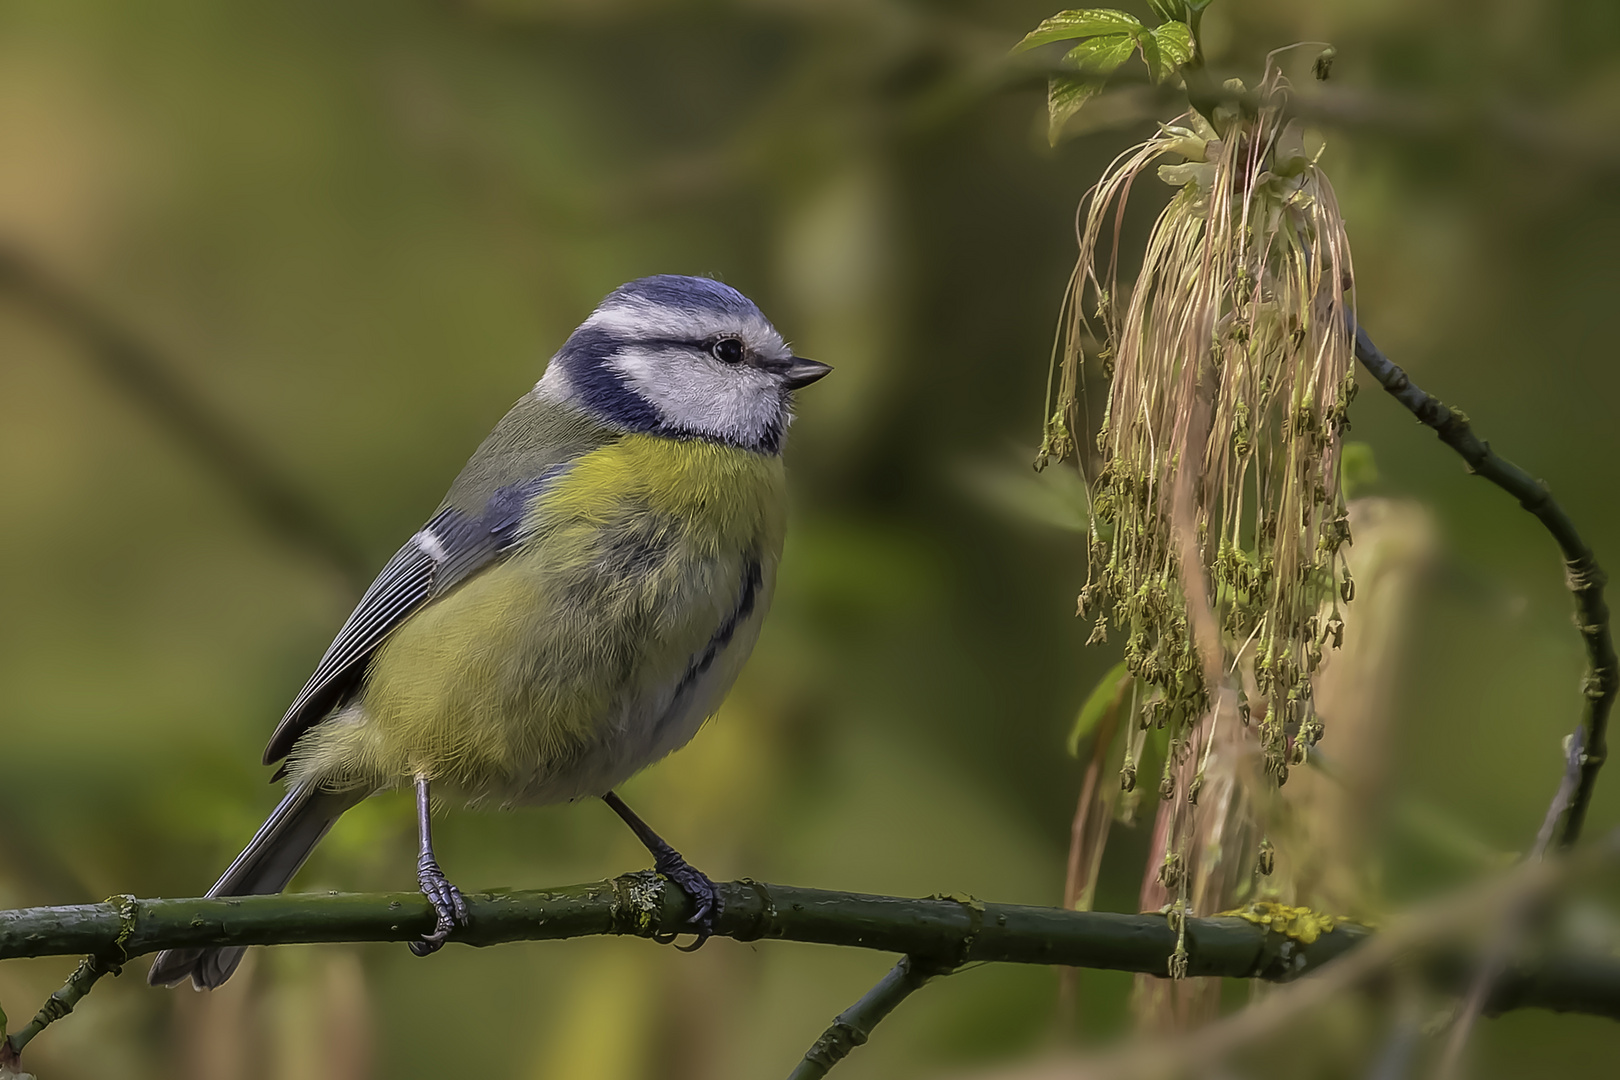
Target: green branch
[
  {"x": 107, "y": 960},
  {"x": 1581, "y": 571},
  {"x": 61, "y": 1001},
  {"x": 945, "y": 931},
  {"x": 853, "y": 1026},
  {"x": 938, "y": 932}
]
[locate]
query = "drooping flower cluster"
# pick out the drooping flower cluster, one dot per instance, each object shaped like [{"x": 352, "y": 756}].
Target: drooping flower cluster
[{"x": 1229, "y": 366}]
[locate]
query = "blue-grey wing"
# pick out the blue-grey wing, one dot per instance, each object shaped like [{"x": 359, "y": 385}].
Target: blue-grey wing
[{"x": 449, "y": 549}]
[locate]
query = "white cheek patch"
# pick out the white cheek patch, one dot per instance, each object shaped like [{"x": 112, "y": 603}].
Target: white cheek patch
[{"x": 693, "y": 392}]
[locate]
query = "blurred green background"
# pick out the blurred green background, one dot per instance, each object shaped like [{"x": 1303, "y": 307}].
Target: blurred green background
[{"x": 356, "y": 231}]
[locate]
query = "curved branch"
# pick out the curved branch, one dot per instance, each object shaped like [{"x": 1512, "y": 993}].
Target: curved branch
[
  {"x": 940, "y": 932},
  {"x": 1581, "y": 571}
]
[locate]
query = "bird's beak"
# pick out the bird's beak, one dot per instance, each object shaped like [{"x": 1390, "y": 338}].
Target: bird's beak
[{"x": 800, "y": 372}]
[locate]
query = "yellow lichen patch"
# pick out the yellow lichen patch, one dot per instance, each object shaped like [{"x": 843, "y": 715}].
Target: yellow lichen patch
[
  {"x": 1299, "y": 923},
  {"x": 645, "y": 894}
]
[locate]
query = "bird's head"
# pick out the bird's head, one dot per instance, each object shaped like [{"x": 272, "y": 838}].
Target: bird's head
[{"x": 682, "y": 356}]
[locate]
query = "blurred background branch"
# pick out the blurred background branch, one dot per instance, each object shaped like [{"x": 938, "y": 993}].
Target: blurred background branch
[
  {"x": 153, "y": 386},
  {"x": 939, "y": 64},
  {"x": 1499, "y": 947},
  {"x": 1157, "y": 1055}
]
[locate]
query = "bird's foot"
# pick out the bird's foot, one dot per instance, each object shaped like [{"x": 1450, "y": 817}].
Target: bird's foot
[
  {"x": 447, "y": 902},
  {"x": 697, "y": 886}
]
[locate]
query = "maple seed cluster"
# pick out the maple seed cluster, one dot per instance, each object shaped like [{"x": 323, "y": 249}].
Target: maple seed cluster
[{"x": 1231, "y": 357}]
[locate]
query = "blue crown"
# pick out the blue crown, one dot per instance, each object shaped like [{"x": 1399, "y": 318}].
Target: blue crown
[{"x": 689, "y": 293}]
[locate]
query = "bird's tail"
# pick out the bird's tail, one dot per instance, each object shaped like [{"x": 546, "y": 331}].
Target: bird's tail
[{"x": 269, "y": 861}]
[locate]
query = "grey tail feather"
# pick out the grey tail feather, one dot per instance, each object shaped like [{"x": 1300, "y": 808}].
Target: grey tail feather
[{"x": 266, "y": 865}]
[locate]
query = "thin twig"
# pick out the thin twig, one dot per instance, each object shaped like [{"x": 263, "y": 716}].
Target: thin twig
[
  {"x": 61, "y": 1001},
  {"x": 1512, "y": 924},
  {"x": 853, "y": 1026},
  {"x": 108, "y": 961},
  {"x": 1581, "y": 572},
  {"x": 138, "y": 369}
]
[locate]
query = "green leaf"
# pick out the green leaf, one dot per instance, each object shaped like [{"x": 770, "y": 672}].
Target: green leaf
[
  {"x": 1103, "y": 698},
  {"x": 1152, "y": 57},
  {"x": 1169, "y": 9},
  {"x": 1197, "y": 5},
  {"x": 1064, "y": 96},
  {"x": 1067, "y": 25},
  {"x": 1175, "y": 43},
  {"x": 1100, "y": 55}
]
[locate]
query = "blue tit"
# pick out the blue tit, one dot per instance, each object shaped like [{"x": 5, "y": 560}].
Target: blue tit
[{"x": 574, "y": 610}]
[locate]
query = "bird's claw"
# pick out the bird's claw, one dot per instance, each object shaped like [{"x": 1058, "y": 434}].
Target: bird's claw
[
  {"x": 700, "y": 890},
  {"x": 447, "y": 904}
]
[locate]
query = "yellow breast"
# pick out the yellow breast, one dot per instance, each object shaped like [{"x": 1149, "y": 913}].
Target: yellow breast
[
  {"x": 556, "y": 661},
  {"x": 716, "y": 493}
]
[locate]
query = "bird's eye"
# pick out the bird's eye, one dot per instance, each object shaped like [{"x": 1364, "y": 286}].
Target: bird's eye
[{"x": 728, "y": 350}]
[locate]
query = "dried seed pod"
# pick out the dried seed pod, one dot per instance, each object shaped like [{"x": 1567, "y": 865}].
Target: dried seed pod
[
  {"x": 1170, "y": 871},
  {"x": 1335, "y": 630},
  {"x": 1276, "y": 767},
  {"x": 1310, "y": 730}
]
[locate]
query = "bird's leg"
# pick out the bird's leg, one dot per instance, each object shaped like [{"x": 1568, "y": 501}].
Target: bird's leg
[
  {"x": 667, "y": 861},
  {"x": 445, "y": 897}
]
